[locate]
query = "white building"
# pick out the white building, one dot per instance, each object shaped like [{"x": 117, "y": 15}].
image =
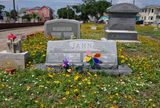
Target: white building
[{"x": 150, "y": 14}]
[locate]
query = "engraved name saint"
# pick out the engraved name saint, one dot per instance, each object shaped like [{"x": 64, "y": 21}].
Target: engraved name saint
[
  {"x": 62, "y": 29},
  {"x": 82, "y": 46}
]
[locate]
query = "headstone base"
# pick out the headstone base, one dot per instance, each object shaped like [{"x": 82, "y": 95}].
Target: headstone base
[
  {"x": 121, "y": 35},
  {"x": 123, "y": 41},
  {"x": 16, "y": 60},
  {"x": 120, "y": 70}
]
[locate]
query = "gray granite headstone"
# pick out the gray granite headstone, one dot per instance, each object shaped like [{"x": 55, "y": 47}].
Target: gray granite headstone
[
  {"x": 75, "y": 51},
  {"x": 63, "y": 28},
  {"x": 122, "y": 20}
]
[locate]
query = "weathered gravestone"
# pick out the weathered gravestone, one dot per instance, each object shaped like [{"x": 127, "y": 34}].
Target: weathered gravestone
[
  {"x": 75, "y": 51},
  {"x": 122, "y": 20},
  {"x": 63, "y": 28},
  {"x": 13, "y": 57}
]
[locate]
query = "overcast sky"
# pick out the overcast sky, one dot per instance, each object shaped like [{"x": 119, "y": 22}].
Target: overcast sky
[{"x": 55, "y": 4}]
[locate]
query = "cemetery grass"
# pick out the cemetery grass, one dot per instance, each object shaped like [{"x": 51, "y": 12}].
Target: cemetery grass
[
  {"x": 149, "y": 31},
  {"x": 38, "y": 88}
]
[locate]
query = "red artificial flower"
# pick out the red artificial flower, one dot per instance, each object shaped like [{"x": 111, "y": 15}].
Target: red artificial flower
[
  {"x": 12, "y": 36},
  {"x": 97, "y": 55}
]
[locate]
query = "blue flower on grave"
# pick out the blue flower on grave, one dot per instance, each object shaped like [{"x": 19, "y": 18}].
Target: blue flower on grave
[
  {"x": 92, "y": 59},
  {"x": 65, "y": 62},
  {"x": 66, "y": 65}
]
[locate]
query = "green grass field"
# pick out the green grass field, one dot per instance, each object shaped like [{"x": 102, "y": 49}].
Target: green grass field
[
  {"x": 149, "y": 31},
  {"x": 34, "y": 88}
]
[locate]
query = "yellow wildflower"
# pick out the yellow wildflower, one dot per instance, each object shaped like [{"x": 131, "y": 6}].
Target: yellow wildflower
[
  {"x": 117, "y": 94},
  {"x": 41, "y": 86},
  {"x": 69, "y": 81},
  {"x": 57, "y": 82},
  {"x": 49, "y": 68},
  {"x": 42, "y": 106},
  {"x": 89, "y": 74},
  {"x": 28, "y": 88},
  {"x": 87, "y": 58},
  {"x": 114, "y": 106},
  {"x": 50, "y": 75},
  {"x": 88, "y": 82},
  {"x": 36, "y": 101},
  {"x": 76, "y": 77},
  {"x": 120, "y": 50},
  {"x": 126, "y": 58},
  {"x": 69, "y": 70},
  {"x": 67, "y": 92},
  {"x": 43, "y": 55},
  {"x": 122, "y": 56},
  {"x": 64, "y": 98},
  {"x": 75, "y": 90},
  {"x": 85, "y": 79},
  {"x": 95, "y": 75},
  {"x": 122, "y": 61},
  {"x": 67, "y": 75}
]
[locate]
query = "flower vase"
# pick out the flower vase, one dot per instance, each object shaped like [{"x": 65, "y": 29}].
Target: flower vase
[{"x": 11, "y": 45}]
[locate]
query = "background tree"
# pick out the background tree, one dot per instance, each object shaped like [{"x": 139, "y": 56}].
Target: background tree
[
  {"x": 1, "y": 8},
  {"x": 13, "y": 14},
  {"x": 88, "y": 7},
  {"x": 94, "y": 7},
  {"x": 27, "y": 16},
  {"x": 101, "y": 6},
  {"x": 7, "y": 14},
  {"x": 88, "y": 1},
  {"x": 35, "y": 16},
  {"x": 66, "y": 13}
]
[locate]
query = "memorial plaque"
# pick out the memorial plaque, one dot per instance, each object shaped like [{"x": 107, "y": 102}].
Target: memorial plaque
[
  {"x": 75, "y": 51},
  {"x": 62, "y": 28}
]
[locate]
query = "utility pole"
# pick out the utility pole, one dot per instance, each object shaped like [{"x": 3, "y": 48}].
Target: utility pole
[
  {"x": 111, "y": 2},
  {"x": 67, "y": 11},
  {"x": 134, "y": 2},
  {"x": 14, "y": 10},
  {"x": 14, "y": 5}
]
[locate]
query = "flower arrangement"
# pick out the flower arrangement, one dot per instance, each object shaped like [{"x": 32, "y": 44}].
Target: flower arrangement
[
  {"x": 66, "y": 65},
  {"x": 93, "y": 59},
  {"x": 11, "y": 43},
  {"x": 12, "y": 37}
]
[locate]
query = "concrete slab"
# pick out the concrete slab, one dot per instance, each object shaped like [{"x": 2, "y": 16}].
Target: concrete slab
[{"x": 17, "y": 60}]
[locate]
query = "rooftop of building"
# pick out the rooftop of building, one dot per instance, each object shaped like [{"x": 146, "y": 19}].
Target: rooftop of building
[{"x": 151, "y": 6}]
